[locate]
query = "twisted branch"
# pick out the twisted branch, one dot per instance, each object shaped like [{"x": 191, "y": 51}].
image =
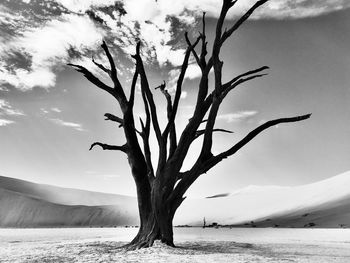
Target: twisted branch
[{"x": 104, "y": 146}]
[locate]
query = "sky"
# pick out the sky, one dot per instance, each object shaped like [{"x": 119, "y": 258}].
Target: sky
[{"x": 50, "y": 114}]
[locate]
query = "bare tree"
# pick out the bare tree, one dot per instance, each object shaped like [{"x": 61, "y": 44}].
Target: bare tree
[{"x": 161, "y": 188}]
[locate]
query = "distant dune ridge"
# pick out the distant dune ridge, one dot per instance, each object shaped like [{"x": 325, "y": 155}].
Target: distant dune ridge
[
  {"x": 25, "y": 204},
  {"x": 65, "y": 196},
  {"x": 321, "y": 204}
]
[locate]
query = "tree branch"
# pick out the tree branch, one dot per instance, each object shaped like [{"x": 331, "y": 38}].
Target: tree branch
[
  {"x": 209, "y": 128},
  {"x": 113, "y": 74},
  {"x": 218, "y": 96},
  {"x": 108, "y": 71},
  {"x": 171, "y": 121},
  {"x": 220, "y": 91},
  {"x": 204, "y": 52},
  {"x": 240, "y": 21},
  {"x": 202, "y": 167},
  {"x": 254, "y": 71},
  {"x": 217, "y": 64},
  {"x": 113, "y": 69},
  {"x": 235, "y": 84},
  {"x": 201, "y": 132},
  {"x": 172, "y": 133},
  {"x": 148, "y": 93},
  {"x": 147, "y": 151},
  {"x": 189, "y": 132},
  {"x": 145, "y": 127},
  {"x": 193, "y": 50},
  {"x": 249, "y": 137},
  {"x": 104, "y": 146},
  {"x": 111, "y": 117},
  {"x": 87, "y": 74},
  {"x": 133, "y": 87}
]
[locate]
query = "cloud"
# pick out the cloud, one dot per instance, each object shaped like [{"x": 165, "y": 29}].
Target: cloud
[
  {"x": 4, "y": 122},
  {"x": 46, "y": 47},
  {"x": 81, "y": 6},
  {"x": 50, "y": 110},
  {"x": 184, "y": 94},
  {"x": 173, "y": 76},
  {"x": 35, "y": 44},
  {"x": 43, "y": 110},
  {"x": 192, "y": 72},
  {"x": 56, "y": 110},
  {"x": 27, "y": 79},
  {"x": 7, "y": 109},
  {"x": 275, "y": 9},
  {"x": 295, "y": 9},
  {"x": 139, "y": 10},
  {"x": 237, "y": 116},
  {"x": 73, "y": 125},
  {"x": 40, "y": 48}
]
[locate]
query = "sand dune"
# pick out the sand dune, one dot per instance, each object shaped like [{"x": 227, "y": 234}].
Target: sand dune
[
  {"x": 325, "y": 204},
  {"x": 321, "y": 204},
  {"x": 21, "y": 211},
  {"x": 65, "y": 196},
  {"x": 31, "y": 205}
]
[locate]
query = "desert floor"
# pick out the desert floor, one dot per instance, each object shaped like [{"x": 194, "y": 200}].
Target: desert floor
[{"x": 193, "y": 245}]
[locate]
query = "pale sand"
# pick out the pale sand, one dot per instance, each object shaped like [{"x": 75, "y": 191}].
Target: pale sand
[
  {"x": 193, "y": 245},
  {"x": 213, "y": 251}
]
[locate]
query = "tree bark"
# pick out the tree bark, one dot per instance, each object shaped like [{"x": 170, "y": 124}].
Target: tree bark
[{"x": 156, "y": 222}]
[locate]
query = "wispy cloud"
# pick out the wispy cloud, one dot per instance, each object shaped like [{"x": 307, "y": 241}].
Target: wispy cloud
[
  {"x": 4, "y": 122},
  {"x": 7, "y": 109},
  {"x": 237, "y": 116},
  {"x": 50, "y": 110},
  {"x": 73, "y": 125},
  {"x": 295, "y": 9},
  {"x": 44, "y": 111},
  {"x": 55, "y": 109},
  {"x": 275, "y": 9}
]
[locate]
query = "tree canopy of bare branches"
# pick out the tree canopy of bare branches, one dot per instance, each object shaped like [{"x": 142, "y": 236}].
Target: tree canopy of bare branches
[{"x": 161, "y": 187}]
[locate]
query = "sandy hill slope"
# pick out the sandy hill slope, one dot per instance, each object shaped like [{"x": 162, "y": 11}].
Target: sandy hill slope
[
  {"x": 25, "y": 204},
  {"x": 66, "y": 196},
  {"x": 18, "y": 210},
  {"x": 322, "y": 204}
]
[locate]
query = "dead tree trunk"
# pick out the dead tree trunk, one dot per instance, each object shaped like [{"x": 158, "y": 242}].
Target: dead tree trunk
[
  {"x": 161, "y": 191},
  {"x": 158, "y": 224}
]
